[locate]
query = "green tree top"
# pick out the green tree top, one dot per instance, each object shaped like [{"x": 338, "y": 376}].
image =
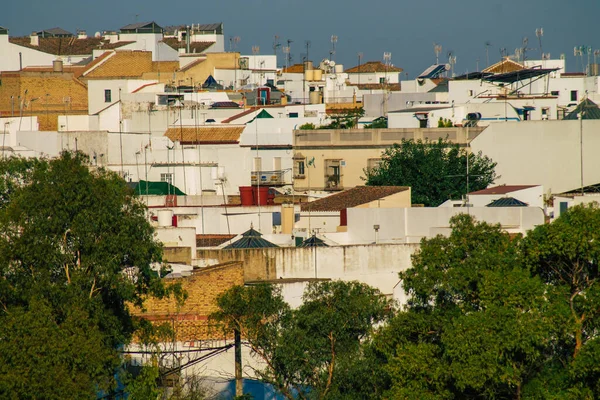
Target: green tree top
[
  {"x": 75, "y": 249},
  {"x": 435, "y": 171},
  {"x": 305, "y": 350}
]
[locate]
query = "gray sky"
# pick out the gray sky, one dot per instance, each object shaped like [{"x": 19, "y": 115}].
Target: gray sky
[{"x": 406, "y": 29}]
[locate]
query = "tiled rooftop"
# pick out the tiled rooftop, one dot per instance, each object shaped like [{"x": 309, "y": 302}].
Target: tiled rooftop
[
  {"x": 352, "y": 198},
  {"x": 205, "y": 134},
  {"x": 373, "y": 66}
]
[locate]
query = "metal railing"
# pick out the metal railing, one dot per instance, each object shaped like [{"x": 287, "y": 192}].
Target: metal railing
[{"x": 270, "y": 178}]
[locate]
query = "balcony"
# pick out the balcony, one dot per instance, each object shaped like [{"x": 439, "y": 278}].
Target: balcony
[
  {"x": 333, "y": 182},
  {"x": 268, "y": 178}
]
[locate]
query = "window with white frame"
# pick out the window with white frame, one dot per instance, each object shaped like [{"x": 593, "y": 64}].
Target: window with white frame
[{"x": 167, "y": 178}]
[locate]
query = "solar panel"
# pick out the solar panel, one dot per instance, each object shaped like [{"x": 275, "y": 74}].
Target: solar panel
[{"x": 433, "y": 72}]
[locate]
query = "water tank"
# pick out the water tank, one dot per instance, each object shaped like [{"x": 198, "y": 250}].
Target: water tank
[
  {"x": 309, "y": 75},
  {"x": 315, "y": 97},
  {"x": 339, "y": 68},
  {"x": 165, "y": 217},
  {"x": 317, "y": 74},
  {"x": 246, "y": 196},
  {"x": 261, "y": 195},
  {"x": 308, "y": 65},
  {"x": 57, "y": 65},
  {"x": 594, "y": 69}
]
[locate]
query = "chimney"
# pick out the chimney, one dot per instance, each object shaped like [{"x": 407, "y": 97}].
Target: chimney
[
  {"x": 57, "y": 65},
  {"x": 82, "y": 35},
  {"x": 35, "y": 40}
]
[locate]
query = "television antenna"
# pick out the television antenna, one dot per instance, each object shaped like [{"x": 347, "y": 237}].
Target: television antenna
[
  {"x": 596, "y": 54},
  {"x": 451, "y": 61},
  {"x": 233, "y": 42},
  {"x": 487, "y": 55},
  {"x": 289, "y": 53},
  {"x": 286, "y": 51},
  {"x": 276, "y": 44},
  {"x": 307, "y": 45},
  {"x": 437, "y": 49},
  {"x": 539, "y": 32},
  {"x": 334, "y": 40}
]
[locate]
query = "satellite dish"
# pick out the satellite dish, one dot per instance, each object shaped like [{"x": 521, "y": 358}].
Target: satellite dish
[
  {"x": 97, "y": 35},
  {"x": 447, "y": 67},
  {"x": 332, "y": 63}
]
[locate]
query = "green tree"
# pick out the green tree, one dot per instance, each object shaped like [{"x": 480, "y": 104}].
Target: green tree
[
  {"x": 565, "y": 255},
  {"x": 305, "y": 350},
  {"x": 75, "y": 250},
  {"x": 435, "y": 171},
  {"x": 476, "y": 323},
  {"x": 378, "y": 123},
  {"x": 344, "y": 119}
]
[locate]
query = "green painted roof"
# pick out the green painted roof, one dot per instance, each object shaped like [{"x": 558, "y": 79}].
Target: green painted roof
[
  {"x": 313, "y": 241},
  {"x": 156, "y": 188},
  {"x": 507, "y": 202},
  {"x": 589, "y": 108},
  {"x": 250, "y": 239}
]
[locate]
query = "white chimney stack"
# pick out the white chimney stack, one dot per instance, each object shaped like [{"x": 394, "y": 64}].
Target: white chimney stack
[{"x": 35, "y": 40}]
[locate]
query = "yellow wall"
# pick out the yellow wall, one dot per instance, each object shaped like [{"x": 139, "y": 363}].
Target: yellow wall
[
  {"x": 398, "y": 200},
  {"x": 51, "y": 89},
  {"x": 356, "y": 161},
  {"x": 190, "y": 320}
]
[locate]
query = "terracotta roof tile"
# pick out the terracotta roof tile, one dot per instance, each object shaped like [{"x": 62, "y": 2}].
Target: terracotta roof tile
[
  {"x": 372, "y": 86},
  {"x": 205, "y": 134},
  {"x": 66, "y": 46},
  {"x": 123, "y": 64},
  {"x": 373, "y": 66},
  {"x": 352, "y": 198},
  {"x": 506, "y": 65},
  {"x": 212, "y": 240},
  {"x": 240, "y": 115},
  {"x": 503, "y": 189},
  {"x": 294, "y": 69}
]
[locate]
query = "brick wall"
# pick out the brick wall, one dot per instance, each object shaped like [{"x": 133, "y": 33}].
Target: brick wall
[
  {"x": 54, "y": 94},
  {"x": 190, "y": 320}
]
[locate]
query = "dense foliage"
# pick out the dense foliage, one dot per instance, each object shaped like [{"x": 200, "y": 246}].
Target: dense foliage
[
  {"x": 492, "y": 316},
  {"x": 489, "y": 316},
  {"x": 75, "y": 249},
  {"x": 307, "y": 351},
  {"x": 436, "y": 171}
]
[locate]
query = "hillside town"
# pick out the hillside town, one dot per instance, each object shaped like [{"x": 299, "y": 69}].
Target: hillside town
[{"x": 254, "y": 170}]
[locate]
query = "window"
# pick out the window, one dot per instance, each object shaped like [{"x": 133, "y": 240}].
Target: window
[
  {"x": 545, "y": 112},
  {"x": 293, "y": 115},
  {"x": 381, "y": 81},
  {"x": 166, "y": 178},
  {"x": 373, "y": 163},
  {"x": 471, "y": 93},
  {"x": 554, "y": 93},
  {"x": 299, "y": 169},
  {"x": 107, "y": 95},
  {"x": 573, "y": 95},
  {"x": 333, "y": 176}
]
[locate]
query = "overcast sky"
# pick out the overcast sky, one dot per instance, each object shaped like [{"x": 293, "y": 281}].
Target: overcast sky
[{"x": 406, "y": 29}]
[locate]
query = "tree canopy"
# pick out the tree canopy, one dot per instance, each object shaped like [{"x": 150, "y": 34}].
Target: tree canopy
[
  {"x": 492, "y": 315},
  {"x": 75, "y": 249},
  {"x": 306, "y": 350},
  {"x": 436, "y": 171}
]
